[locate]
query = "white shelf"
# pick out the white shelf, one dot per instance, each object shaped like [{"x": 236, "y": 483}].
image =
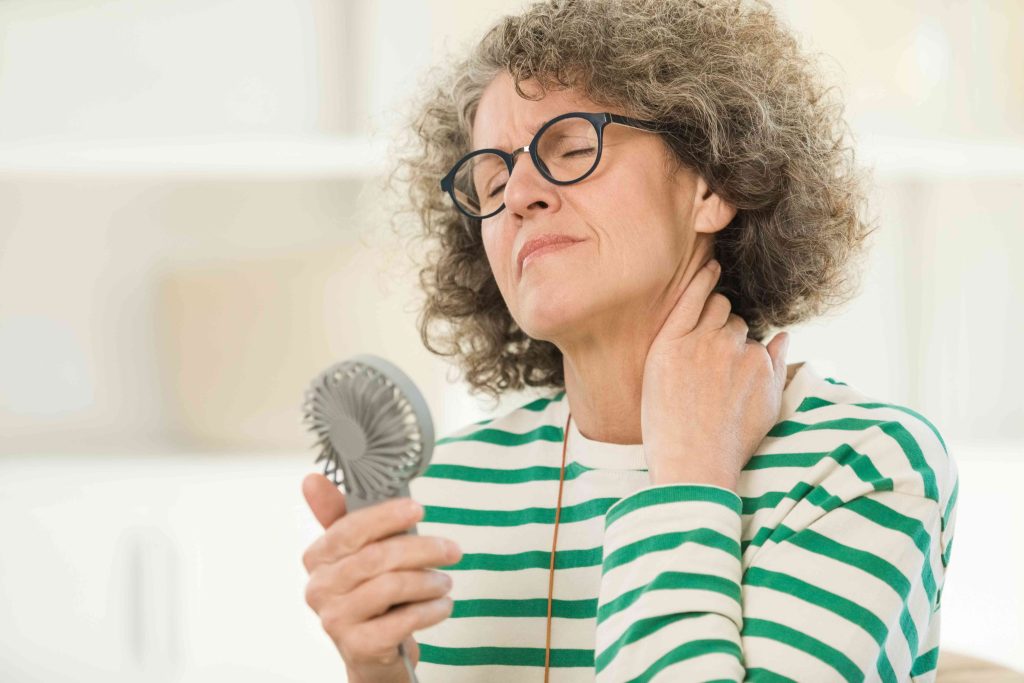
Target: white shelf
[
  {"x": 194, "y": 157},
  {"x": 338, "y": 157}
]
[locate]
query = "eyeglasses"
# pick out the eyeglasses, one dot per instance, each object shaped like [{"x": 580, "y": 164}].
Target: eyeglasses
[{"x": 565, "y": 150}]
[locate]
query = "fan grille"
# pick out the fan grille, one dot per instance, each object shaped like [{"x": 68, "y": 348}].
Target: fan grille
[{"x": 367, "y": 431}]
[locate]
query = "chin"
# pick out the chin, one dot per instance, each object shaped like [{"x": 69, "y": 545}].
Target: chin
[{"x": 545, "y": 316}]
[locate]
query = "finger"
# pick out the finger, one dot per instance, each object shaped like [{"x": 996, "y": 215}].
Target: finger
[
  {"x": 716, "y": 312},
  {"x": 378, "y": 638},
  {"x": 360, "y": 527},
  {"x": 737, "y": 326},
  {"x": 324, "y": 499},
  {"x": 686, "y": 312},
  {"x": 388, "y": 591},
  {"x": 405, "y": 552},
  {"x": 777, "y": 349}
]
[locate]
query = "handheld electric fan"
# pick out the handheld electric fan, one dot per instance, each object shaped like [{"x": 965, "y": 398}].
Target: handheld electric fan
[{"x": 373, "y": 426}]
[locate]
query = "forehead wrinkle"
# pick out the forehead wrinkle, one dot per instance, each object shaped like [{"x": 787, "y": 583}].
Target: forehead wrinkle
[{"x": 531, "y": 132}]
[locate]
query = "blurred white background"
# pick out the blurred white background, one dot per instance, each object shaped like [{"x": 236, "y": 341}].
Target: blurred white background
[{"x": 190, "y": 230}]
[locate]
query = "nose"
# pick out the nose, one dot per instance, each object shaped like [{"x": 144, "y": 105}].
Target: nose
[{"x": 526, "y": 190}]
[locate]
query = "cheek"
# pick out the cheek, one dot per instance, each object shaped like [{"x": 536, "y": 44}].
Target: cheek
[{"x": 498, "y": 251}]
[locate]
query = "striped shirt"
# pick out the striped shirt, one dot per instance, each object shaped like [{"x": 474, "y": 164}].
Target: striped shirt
[{"x": 827, "y": 564}]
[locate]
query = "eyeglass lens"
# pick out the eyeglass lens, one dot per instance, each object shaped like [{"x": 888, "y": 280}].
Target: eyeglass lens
[{"x": 567, "y": 151}]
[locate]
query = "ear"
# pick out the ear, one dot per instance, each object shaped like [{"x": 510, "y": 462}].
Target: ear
[{"x": 711, "y": 212}]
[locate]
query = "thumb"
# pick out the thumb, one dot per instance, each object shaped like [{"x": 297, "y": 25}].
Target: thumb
[
  {"x": 777, "y": 349},
  {"x": 324, "y": 498}
]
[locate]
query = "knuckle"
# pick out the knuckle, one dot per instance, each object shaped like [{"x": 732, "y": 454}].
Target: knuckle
[
  {"x": 312, "y": 595},
  {"x": 311, "y": 556},
  {"x": 391, "y": 554},
  {"x": 719, "y": 299},
  {"x": 345, "y": 541},
  {"x": 331, "y": 622},
  {"x": 373, "y": 555}
]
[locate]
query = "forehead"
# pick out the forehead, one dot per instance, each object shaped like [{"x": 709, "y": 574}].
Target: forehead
[{"x": 505, "y": 120}]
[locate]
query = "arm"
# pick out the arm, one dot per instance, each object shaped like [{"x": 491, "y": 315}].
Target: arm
[{"x": 847, "y": 595}]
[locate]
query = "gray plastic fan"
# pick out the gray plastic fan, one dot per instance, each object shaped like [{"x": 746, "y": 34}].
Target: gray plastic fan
[{"x": 373, "y": 426}]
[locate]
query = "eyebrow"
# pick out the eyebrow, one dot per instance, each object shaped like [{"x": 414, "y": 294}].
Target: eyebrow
[{"x": 533, "y": 131}]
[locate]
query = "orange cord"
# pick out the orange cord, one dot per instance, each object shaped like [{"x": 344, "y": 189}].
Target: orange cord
[{"x": 554, "y": 545}]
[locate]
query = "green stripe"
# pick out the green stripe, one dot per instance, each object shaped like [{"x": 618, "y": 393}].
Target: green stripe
[
  {"x": 527, "y": 607},
  {"x": 951, "y": 502},
  {"x": 694, "y": 648},
  {"x": 537, "y": 405},
  {"x": 671, "y": 581},
  {"x": 530, "y": 559},
  {"x": 812, "y": 402},
  {"x": 837, "y": 604},
  {"x": 668, "y": 541},
  {"x": 506, "y": 656},
  {"x": 491, "y": 475},
  {"x": 844, "y": 454},
  {"x": 762, "y": 628},
  {"x": 926, "y": 662},
  {"x": 588, "y": 509},
  {"x": 908, "y": 411},
  {"x": 757, "y": 675},
  {"x": 672, "y": 493},
  {"x": 501, "y": 437},
  {"x": 642, "y": 628},
  {"x": 946, "y": 554}
]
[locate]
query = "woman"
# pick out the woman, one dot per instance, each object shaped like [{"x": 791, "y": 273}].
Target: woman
[{"x": 663, "y": 183}]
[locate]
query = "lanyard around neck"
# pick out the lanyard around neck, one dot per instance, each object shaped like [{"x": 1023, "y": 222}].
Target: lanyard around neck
[{"x": 554, "y": 545}]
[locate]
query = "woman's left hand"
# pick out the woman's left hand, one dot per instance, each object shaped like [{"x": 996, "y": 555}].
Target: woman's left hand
[{"x": 710, "y": 395}]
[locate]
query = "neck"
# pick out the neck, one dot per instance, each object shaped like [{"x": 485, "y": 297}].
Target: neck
[{"x": 603, "y": 383}]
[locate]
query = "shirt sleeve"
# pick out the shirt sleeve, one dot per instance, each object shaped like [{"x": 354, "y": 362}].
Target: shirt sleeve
[{"x": 847, "y": 595}]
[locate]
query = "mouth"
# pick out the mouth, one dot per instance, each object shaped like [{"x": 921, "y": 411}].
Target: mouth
[{"x": 541, "y": 246}]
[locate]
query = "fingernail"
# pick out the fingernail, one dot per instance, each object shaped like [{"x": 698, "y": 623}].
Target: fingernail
[{"x": 414, "y": 508}]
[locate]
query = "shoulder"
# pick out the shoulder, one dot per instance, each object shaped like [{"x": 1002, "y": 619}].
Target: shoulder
[
  {"x": 527, "y": 422},
  {"x": 871, "y": 444},
  {"x": 469, "y": 465}
]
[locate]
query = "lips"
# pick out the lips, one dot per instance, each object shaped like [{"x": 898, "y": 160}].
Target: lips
[{"x": 539, "y": 242}]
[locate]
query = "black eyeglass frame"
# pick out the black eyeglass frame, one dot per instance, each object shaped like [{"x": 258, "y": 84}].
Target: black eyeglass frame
[{"x": 598, "y": 119}]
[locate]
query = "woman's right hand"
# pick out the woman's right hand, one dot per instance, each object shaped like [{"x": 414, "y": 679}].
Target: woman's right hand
[{"x": 361, "y": 568}]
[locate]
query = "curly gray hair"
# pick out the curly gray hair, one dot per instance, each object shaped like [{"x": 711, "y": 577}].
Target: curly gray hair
[{"x": 749, "y": 112}]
